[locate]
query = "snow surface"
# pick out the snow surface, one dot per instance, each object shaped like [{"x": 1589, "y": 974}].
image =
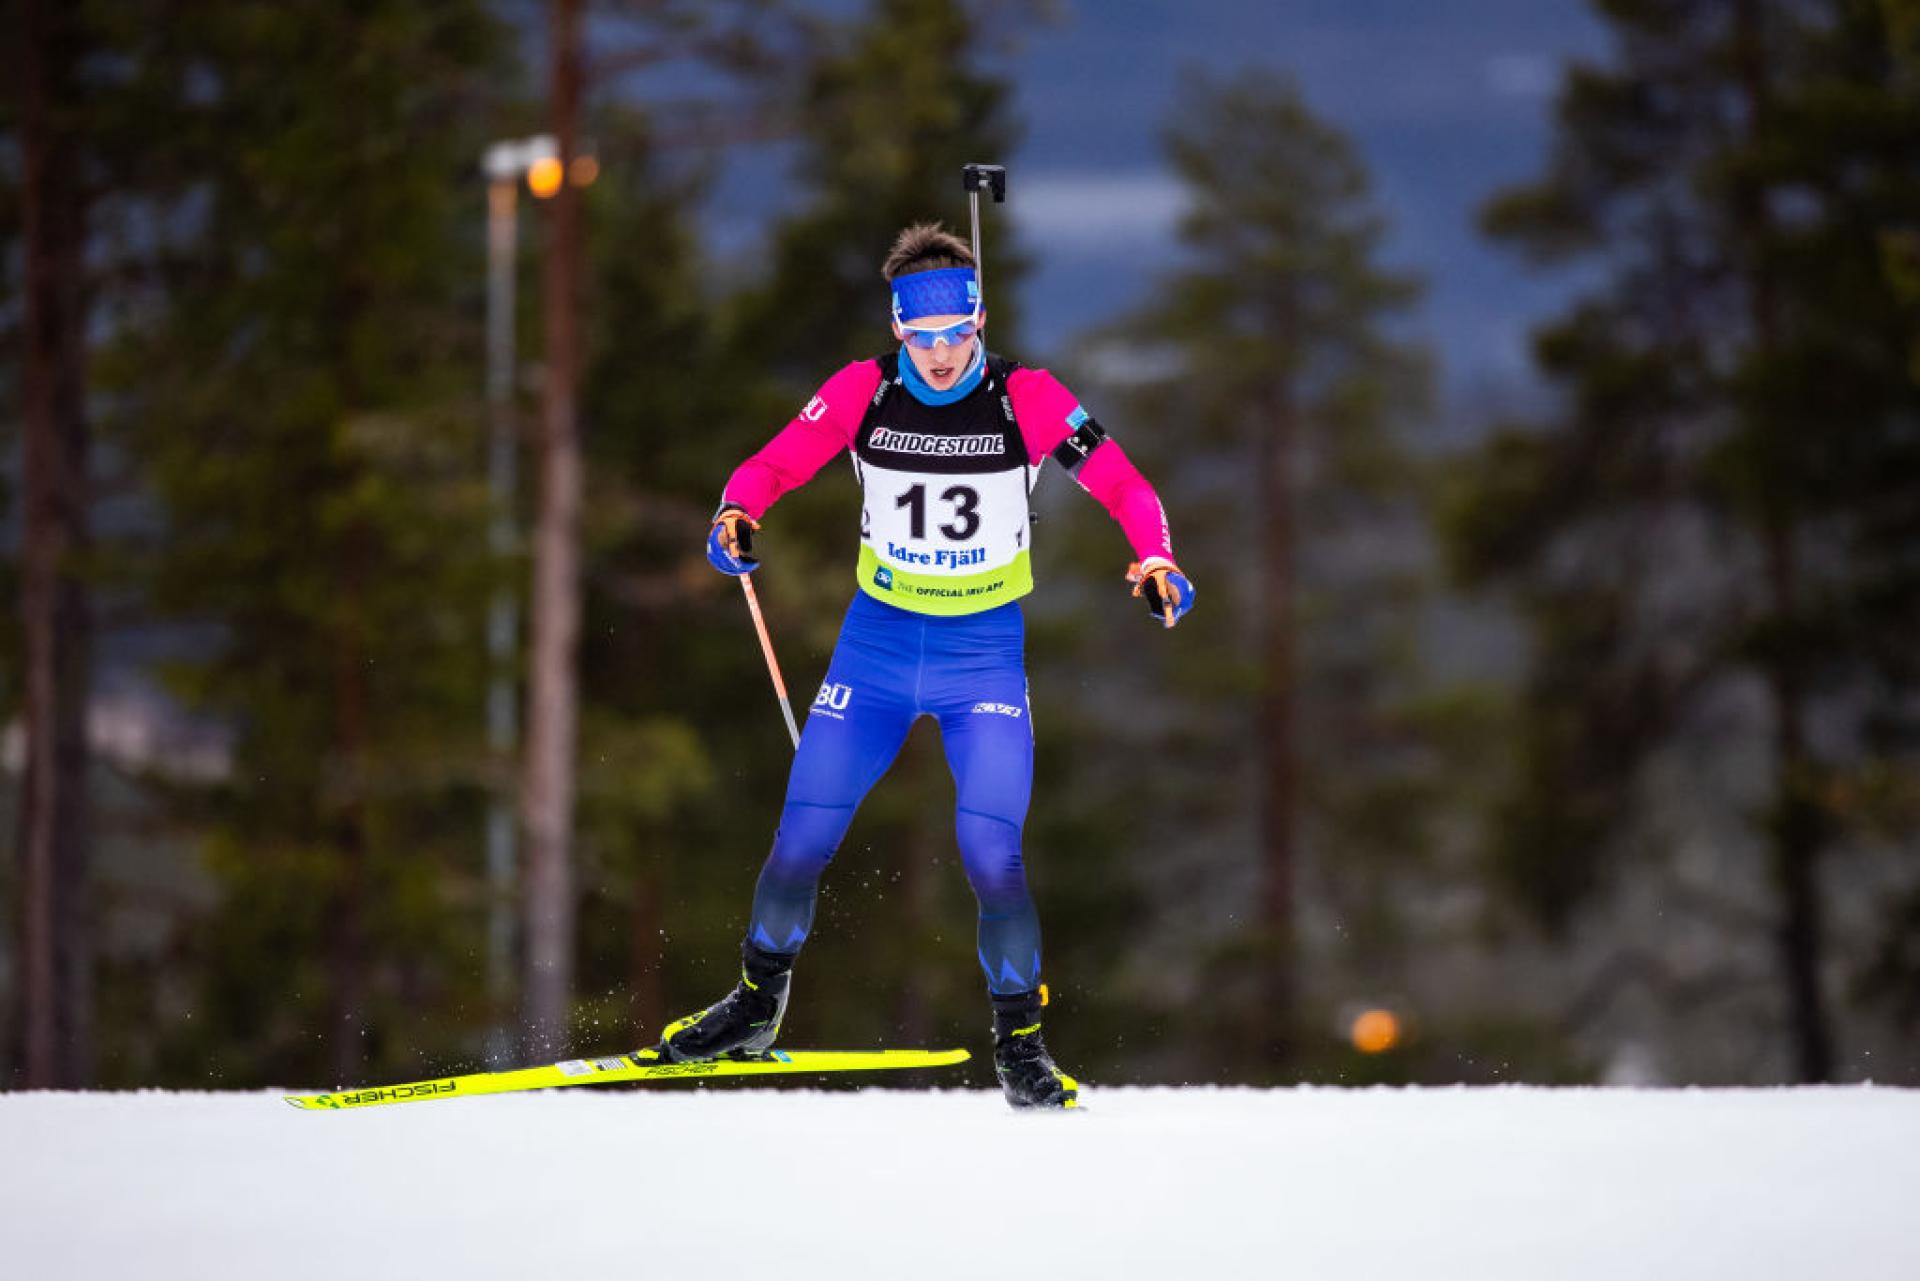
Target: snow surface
[{"x": 1163, "y": 1183}]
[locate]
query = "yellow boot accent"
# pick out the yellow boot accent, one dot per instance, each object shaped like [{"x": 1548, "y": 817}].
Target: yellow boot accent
[
  {"x": 690, "y": 1019},
  {"x": 677, "y": 1024}
]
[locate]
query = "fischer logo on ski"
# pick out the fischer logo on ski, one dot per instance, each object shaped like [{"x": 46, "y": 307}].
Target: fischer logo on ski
[{"x": 395, "y": 1093}]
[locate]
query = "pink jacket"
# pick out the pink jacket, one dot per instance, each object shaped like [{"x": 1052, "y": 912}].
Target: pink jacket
[{"x": 1041, "y": 404}]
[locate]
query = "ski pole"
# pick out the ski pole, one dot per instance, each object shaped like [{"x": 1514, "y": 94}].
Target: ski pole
[
  {"x": 972, "y": 179},
  {"x": 773, "y": 664}
]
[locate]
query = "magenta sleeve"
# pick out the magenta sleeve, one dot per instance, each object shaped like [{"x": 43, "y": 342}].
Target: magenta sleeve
[
  {"x": 821, "y": 430},
  {"x": 1047, "y": 413},
  {"x": 1042, "y": 405},
  {"x": 1110, "y": 476}
]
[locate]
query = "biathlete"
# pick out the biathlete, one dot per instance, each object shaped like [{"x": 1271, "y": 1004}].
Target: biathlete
[{"x": 947, "y": 441}]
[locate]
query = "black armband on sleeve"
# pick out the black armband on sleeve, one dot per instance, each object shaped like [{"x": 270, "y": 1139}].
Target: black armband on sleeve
[{"x": 1075, "y": 449}]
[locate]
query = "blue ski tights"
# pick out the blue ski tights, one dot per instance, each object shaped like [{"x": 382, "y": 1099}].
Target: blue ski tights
[{"x": 890, "y": 667}]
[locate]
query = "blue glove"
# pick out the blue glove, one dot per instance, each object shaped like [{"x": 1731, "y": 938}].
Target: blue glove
[
  {"x": 1168, "y": 593},
  {"x": 730, "y": 541}
]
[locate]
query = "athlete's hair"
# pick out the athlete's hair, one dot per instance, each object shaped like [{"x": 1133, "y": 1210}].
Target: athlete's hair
[{"x": 925, "y": 246}]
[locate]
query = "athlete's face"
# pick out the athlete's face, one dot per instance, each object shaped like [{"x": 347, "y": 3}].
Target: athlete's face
[{"x": 943, "y": 363}]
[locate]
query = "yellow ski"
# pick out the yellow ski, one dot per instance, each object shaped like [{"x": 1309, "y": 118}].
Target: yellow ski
[{"x": 642, "y": 1065}]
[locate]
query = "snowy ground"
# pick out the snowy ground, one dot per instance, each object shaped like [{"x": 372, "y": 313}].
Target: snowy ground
[{"x": 1481, "y": 1184}]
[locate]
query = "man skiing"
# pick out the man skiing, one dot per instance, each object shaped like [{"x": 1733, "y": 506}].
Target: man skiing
[{"x": 947, "y": 441}]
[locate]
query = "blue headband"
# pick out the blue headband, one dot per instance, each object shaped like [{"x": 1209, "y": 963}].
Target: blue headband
[{"x": 950, "y": 291}]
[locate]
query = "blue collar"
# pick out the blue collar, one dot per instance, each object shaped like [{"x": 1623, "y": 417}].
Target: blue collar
[{"x": 926, "y": 395}]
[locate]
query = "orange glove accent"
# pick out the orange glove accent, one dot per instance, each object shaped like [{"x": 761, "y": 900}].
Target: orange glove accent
[
  {"x": 1160, "y": 581},
  {"x": 736, "y": 533}
]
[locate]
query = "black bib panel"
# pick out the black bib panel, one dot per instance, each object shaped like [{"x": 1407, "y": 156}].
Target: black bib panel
[{"x": 971, "y": 436}]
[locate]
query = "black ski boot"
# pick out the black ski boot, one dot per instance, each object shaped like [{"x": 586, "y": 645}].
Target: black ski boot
[
  {"x": 743, "y": 1023},
  {"x": 1028, "y": 1074}
]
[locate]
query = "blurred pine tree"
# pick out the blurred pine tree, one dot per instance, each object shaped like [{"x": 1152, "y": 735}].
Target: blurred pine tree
[
  {"x": 660, "y": 698},
  {"x": 1715, "y": 541},
  {"x": 298, "y": 388},
  {"x": 1289, "y": 788}
]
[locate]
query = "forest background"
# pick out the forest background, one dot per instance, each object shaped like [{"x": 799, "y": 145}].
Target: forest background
[{"x": 1571, "y": 738}]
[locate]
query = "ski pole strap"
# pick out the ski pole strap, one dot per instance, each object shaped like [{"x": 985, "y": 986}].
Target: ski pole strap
[{"x": 739, "y": 531}]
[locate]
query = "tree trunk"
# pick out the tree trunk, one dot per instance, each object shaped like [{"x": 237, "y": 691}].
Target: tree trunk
[
  {"x": 646, "y": 983},
  {"x": 553, "y": 693},
  {"x": 348, "y": 829},
  {"x": 1797, "y": 829},
  {"x": 1797, "y": 833},
  {"x": 1279, "y": 800},
  {"x": 55, "y": 963},
  {"x": 347, "y": 955}
]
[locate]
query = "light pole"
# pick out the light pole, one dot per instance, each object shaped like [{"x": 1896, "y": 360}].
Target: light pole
[{"x": 505, "y": 163}]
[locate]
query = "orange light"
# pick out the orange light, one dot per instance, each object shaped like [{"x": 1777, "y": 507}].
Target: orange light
[
  {"x": 1375, "y": 1032},
  {"x": 585, "y": 170},
  {"x": 543, "y": 177}
]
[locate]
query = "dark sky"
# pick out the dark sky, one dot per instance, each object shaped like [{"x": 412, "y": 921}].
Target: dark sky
[{"x": 1448, "y": 100}]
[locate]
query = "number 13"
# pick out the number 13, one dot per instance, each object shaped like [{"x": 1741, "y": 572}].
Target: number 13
[{"x": 966, "y": 511}]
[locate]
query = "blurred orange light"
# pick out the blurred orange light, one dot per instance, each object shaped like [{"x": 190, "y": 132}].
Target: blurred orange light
[
  {"x": 1375, "y": 1032},
  {"x": 543, "y": 177},
  {"x": 585, "y": 170}
]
